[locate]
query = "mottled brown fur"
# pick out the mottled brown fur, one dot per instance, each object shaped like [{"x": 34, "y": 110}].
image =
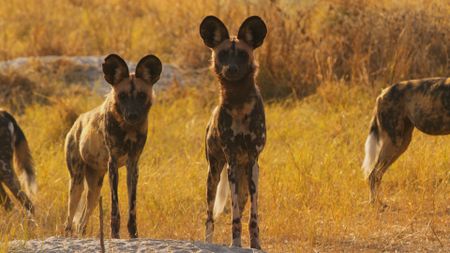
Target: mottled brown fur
[
  {"x": 108, "y": 137},
  {"x": 236, "y": 132},
  {"x": 423, "y": 104},
  {"x": 14, "y": 150}
]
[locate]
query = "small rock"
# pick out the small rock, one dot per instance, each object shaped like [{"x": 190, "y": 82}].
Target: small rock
[
  {"x": 62, "y": 244},
  {"x": 86, "y": 69}
]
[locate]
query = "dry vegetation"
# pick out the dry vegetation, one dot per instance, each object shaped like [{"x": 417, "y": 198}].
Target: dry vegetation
[
  {"x": 308, "y": 43},
  {"x": 313, "y": 196}
]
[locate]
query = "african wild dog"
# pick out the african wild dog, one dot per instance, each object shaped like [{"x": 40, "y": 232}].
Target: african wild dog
[
  {"x": 236, "y": 132},
  {"x": 424, "y": 104},
  {"x": 108, "y": 137},
  {"x": 14, "y": 149}
]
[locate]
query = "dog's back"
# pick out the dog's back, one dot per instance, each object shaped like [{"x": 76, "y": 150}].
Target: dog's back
[{"x": 423, "y": 102}]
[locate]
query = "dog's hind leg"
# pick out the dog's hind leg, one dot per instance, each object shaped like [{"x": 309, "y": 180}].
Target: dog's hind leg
[
  {"x": 5, "y": 201},
  {"x": 76, "y": 168},
  {"x": 389, "y": 152},
  {"x": 215, "y": 198},
  {"x": 94, "y": 182},
  {"x": 75, "y": 190},
  {"x": 9, "y": 177},
  {"x": 11, "y": 181}
]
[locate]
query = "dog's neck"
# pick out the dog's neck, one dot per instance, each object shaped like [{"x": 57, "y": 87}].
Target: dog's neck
[{"x": 240, "y": 91}]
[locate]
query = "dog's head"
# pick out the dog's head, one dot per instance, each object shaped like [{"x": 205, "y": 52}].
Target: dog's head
[
  {"x": 233, "y": 56},
  {"x": 132, "y": 94}
]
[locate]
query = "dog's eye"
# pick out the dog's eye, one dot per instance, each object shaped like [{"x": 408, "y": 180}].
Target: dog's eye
[
  {"x": 222, "y": 56},
  {"x": 242, "y": 56},
  {"x": 122, "y": 96},
  {"x": 141, "y": 95}
]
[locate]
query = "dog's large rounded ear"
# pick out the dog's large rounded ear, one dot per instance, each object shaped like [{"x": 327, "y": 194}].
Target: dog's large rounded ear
[
  {"x": 213, "y": 31},
  {"x": 253, "y": 31},
  {"x": 115, "y": 69},
  {"x": 149, "y": 69}
]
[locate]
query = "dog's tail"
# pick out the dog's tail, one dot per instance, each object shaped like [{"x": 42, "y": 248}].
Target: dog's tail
[
  {"x": 23, "y": 161},
  {"x": 223, "y": 190},
  {"x": 372, "y": 147}
]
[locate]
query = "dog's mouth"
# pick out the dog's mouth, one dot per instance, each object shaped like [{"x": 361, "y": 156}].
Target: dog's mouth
[
  {"x": 232, "y": 76},
  {"x": 133, "y": 119},
  {"x": 236, "y": 74}
]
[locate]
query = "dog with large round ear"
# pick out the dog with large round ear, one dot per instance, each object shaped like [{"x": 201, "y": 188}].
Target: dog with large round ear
[
  {"x": 149, "y": 69},
  {"x": 253, "y": 31},
  {"x": 213, "y": 31},
  {"x": 115, "y": 69},
  {"x": 235, "y": 67}
]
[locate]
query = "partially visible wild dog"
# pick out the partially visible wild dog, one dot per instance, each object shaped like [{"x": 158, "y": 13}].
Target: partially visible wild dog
[
  {"x": 236, "y": 133},
  {"x": 424, "y": 104},
  {"x": 14, "y": 149},
  {"x": 108, "y": 137}
]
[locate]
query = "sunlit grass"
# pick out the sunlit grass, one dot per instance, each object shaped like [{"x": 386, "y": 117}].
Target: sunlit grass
[{"x": 312, "y": 192}]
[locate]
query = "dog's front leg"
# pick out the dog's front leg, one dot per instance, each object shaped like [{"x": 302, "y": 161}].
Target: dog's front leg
[
  {"x": 113, "y": 182},
  {"x": 236, "y": 228},
  {"x": 132, "y": 179},
  {"x": 253, "y": 188}
]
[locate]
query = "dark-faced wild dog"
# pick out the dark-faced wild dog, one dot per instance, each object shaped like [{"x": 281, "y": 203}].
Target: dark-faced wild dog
[
  {"x": 14, "y": 150},
  {"x": 108, "y": 137},
  {"x": 424, "y": 104},
  {"x": 236, "y": 132}
]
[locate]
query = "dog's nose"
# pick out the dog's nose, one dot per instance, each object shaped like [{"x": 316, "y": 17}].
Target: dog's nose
[
  {"x": 133, "y": 116},
  {"x": 232, "y": 69}
]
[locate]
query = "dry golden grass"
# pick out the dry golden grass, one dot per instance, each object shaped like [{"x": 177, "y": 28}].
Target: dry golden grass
[
  {"x": 308, "y": 42},
  {"x": 313, "y": 195}
]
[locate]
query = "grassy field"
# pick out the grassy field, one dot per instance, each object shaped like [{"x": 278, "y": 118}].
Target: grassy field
[
  {"x": 319, "y": 82},
  {"x": 313, "y": 195}
]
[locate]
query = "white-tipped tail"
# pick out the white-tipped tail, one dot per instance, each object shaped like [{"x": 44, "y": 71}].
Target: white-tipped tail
[
  {"x": 222, "y": 193},
  {"x": 372, "y": 149}
]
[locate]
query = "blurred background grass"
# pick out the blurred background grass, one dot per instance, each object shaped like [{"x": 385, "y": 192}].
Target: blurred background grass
[
  {"x": 309, "y": 42},
  {"x": 321, "y": 68}
]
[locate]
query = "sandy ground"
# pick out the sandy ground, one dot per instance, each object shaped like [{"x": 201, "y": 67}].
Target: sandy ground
[{"x": 61, "y": 244}]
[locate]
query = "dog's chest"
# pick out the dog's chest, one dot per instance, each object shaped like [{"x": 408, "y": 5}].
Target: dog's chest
[
  {"x": 124, "y": 141},
  {"x": 241, "y": 118},
  {"x": 242, "y": 126}
]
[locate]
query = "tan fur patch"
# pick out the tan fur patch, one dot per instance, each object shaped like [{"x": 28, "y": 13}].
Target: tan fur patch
[{"x": 240, "y": 117}]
